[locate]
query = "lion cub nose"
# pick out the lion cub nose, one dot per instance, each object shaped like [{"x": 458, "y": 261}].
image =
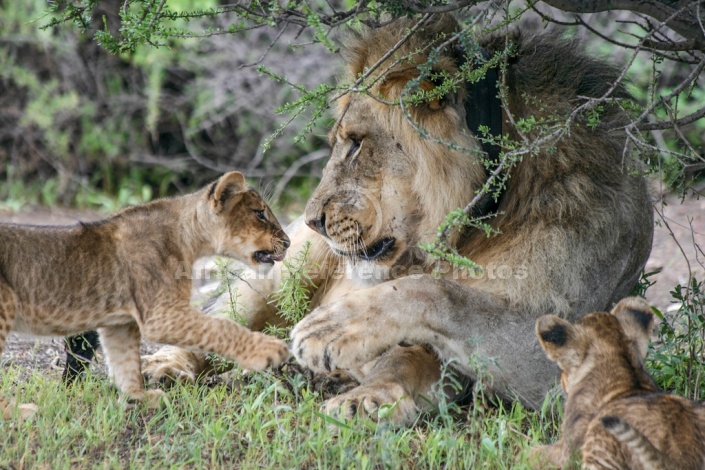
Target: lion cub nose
[
  {"x": 286, "y": 243},
  {"x": 319, "y": 225}
]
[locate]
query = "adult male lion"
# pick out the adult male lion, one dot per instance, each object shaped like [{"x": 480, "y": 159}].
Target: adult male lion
[{"x": 575, "y": 228}]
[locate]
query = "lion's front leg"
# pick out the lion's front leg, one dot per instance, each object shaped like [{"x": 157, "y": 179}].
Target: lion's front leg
[
  {"x": 171, "y": 363},
  {"x": 360, "y": 326},
  {"x": 473, "y": 328},
  {"x": 402, "y": 379}
]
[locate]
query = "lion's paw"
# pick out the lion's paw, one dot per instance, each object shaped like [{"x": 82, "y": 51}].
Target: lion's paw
[
  {"x": 171, "y": 364},
  {"x": 334, "y": 337},
  {"x": 264, "y": 351},
  {"x": 378, "y": 402}
]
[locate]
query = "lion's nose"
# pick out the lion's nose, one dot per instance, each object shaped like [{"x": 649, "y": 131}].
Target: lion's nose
[
  {"x": 286, "y": 243},
  {"x": 319, "y": 225}
]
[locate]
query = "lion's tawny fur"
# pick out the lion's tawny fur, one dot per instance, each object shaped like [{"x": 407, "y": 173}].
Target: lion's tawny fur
[
  {"x": 615, "y": 416},
  {"x": 555, "y": 198},
  {"x": 574, "y": 223},
  {"x": 130, "y": 276}
]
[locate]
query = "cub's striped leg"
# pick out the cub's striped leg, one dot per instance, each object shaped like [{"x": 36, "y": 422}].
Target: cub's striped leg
[
  {"x": 8, "y": 311},
  {"x": 189, "y": 328},
  {"x": 121, "y": 345}
]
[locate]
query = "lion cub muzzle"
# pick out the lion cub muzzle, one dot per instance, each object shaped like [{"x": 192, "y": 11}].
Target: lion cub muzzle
[{"x": 248, "y": 230}]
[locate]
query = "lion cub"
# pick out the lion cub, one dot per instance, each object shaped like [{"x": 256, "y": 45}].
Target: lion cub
[
  {"x": 614, "y": 411},
  {"x": 124, "y": 275}
]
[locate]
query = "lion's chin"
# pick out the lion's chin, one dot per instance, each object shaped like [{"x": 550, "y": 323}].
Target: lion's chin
[
  {"x": 366, "y": 273},
  {"x": 381, "y": 249},
  {"x": 373, "y": 264}
]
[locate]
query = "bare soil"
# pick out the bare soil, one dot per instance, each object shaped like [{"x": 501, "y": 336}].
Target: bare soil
[
  {"x": 678, "y": 251},
  {"x": 679, "y": 241}
]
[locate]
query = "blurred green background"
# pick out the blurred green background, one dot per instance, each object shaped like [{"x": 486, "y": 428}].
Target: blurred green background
[{"x": 82, "y": 127}]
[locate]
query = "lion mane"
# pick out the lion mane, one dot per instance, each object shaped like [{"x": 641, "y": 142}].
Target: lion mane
[{"x": 559, "y": 204}]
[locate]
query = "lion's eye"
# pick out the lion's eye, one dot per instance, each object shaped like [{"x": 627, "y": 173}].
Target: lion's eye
[
  {"x": 260, "y": 215},
  {"x": 354, "y": 147}
]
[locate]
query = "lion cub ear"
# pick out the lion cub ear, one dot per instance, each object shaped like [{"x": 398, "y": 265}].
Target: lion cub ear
[
  {"x": 556, "y": 337},
  {"x": 635, "y": 316},
  {"x": 227, "y": 191}
]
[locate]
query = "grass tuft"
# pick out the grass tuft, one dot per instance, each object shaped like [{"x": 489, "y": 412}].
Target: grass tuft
[
  {"x": 273, "y": 419},
  {"x": 264, "y": 420}
]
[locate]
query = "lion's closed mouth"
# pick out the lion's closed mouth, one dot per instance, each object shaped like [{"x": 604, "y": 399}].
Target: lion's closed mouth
[{"x": 374, "y": 251}]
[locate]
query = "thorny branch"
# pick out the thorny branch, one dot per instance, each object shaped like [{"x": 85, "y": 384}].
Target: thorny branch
[
  {"x": 684, "y": 20},
  {"x": 666, "y": 31}
]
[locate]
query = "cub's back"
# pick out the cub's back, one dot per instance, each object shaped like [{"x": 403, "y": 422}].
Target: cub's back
[
  {"x": 60, "y": 266},
  {"x": 659, "y": 428}
]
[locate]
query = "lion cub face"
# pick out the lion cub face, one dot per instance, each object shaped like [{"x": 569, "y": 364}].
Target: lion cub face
[
  {"x": 243, "y": 226},
  {"x": 615, "y": 415}
]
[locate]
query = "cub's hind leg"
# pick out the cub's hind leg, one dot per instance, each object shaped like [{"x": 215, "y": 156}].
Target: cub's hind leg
[
  {"x": 188, "y": 328},
  {"x": 121, "y": 345},
  {"x": 8, "y": 312}
]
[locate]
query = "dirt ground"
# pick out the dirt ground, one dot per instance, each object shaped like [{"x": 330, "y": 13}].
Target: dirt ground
[{"x": 679, "y": 245}]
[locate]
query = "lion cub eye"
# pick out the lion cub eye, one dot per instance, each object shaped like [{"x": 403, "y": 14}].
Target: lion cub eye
[{"x": 260, "y": 215}]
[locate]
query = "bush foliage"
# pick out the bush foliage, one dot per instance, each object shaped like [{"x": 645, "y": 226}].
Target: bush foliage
[{"x": 168, "y": 118}]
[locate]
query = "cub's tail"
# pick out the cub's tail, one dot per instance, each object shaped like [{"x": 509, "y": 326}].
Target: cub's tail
[{"x": 641, "y": 449}]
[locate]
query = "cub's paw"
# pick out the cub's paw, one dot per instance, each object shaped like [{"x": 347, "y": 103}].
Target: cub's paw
[
  {"x": 263, "y": 351},
  {"x": 378, "y": 402},
  {"x": 149, "y": 398},
  {"x": 541, "y": 457},
  {"x": 172, "y": 364},
  {"x": 27, "y": 410},
  {"x": 24, "y": 410},
  {"x": 154, "y": 398}
]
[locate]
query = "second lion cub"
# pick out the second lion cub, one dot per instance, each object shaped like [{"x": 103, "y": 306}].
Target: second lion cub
[
  {"x": 615, "y": 415},
  {"x": 123, "y": 275}
]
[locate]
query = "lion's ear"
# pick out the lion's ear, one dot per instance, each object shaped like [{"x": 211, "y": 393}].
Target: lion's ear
[
  {"x": 556, "y": 337},
  {"x": 392, "y": 84},
  {"x": 635, "y": 316},
  {"x": 227, "y": 191}
]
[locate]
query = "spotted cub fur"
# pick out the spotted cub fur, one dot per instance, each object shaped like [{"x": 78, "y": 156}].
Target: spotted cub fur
[
  {"x": 129, "y": 277},
  {"x": 615, "y": 415}
]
